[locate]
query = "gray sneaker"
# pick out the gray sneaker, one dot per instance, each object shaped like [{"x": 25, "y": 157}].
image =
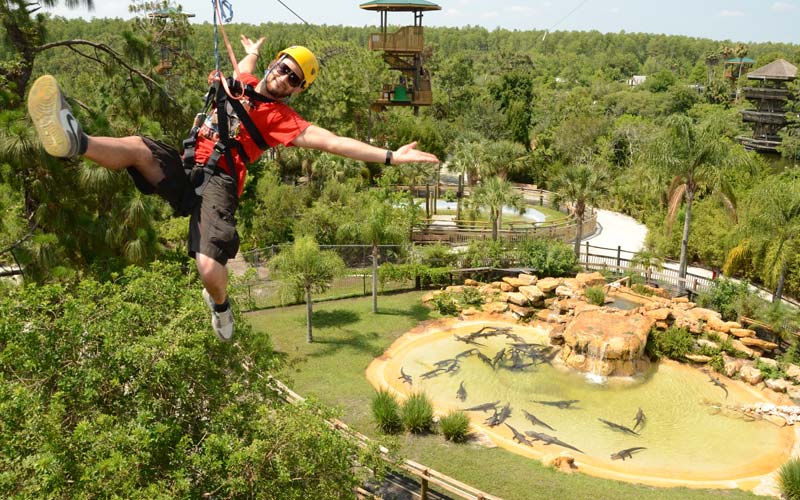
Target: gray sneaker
[
  {"x": 58, "y": 130},
  {"x": 221, "y": 322}
]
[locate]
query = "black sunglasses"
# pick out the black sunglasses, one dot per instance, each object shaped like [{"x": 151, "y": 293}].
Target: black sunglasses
[{"x": 284, "y": 69}]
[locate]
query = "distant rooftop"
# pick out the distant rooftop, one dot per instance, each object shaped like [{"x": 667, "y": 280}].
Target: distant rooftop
[
  {"x": 399, "y": 6},
  {"x": 779, "y": 69},
  {"x": 739, "y": 60}
]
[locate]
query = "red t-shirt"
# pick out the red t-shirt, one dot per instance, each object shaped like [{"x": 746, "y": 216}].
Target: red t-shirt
[{"x": 277, "y": 122}]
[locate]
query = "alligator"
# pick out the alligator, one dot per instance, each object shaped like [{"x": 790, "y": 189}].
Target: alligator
[
  {"x": 406, "y": 377},
  {"x": 716, "y": 381},
  {"x": 483, "y": 407},
  {"x": 468, "y": 340},
  {"x": 498, "y": 357},
  {"x": 639, "y": 419},
  {"x": 518, "y": 436},
  {"x": 547, "y": 439},
  {"x": 461, "y": 394},
  {"x": 626, "y": 453},
  {"x": 535, "y": 421},
  {"x": 619, "y": 427},
  {"x": 562, "y": 405}
]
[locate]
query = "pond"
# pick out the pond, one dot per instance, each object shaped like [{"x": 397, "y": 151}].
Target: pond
[{"x": 692, "y": 434}]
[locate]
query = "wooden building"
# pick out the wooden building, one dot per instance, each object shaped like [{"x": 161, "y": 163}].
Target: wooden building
[
  {"x": 402, "y": 51},
  {"x": 769, "y": 94}
]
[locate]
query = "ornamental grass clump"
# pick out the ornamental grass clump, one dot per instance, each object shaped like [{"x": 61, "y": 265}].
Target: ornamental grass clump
[
  {"x": 386, "y": 412},
  {"x": 789, "y": 479},
  {"x": 455, "y": 426},
  {"x": 596, "y": 295},
  {"x": 417, "y": 413}
]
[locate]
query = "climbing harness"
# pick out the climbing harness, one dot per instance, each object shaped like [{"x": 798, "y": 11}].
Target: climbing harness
[{"x": 223, "y": 108}]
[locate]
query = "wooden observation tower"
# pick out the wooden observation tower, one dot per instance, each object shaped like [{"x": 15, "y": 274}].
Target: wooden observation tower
[
  {"x": 402, "y": 51},
  {"x": 770, "y": 96}
]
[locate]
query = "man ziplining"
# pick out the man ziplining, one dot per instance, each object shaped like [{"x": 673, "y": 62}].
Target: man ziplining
[{"x": 200, "y": 181}]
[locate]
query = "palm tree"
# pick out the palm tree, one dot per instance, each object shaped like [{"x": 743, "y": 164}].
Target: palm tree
[
  {"x": 582, "y": 185},
  {"x": 378, "y": 223},
  {"x": 494, "y": 193},
  {"x": 771, "y": 230},
  {"x": 466, "y": 161},
  {"x": 304, "y": 269},
  {"x": 501, "y": 158},
  {"x": 695, "y": 157}
]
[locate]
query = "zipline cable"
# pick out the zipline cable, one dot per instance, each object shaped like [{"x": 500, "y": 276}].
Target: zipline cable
[
  {"x": 293, "y": 12},
  {"x": 563, "y": 18}
]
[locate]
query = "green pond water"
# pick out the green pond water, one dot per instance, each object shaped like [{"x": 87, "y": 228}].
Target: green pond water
[{"x": 682, "y": 432}]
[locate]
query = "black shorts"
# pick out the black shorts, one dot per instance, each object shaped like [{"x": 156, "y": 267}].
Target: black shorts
[{"x": 212, "y": 222}]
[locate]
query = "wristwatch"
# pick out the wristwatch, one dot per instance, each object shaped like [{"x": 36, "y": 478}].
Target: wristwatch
[{"x": 388, "y": 157}]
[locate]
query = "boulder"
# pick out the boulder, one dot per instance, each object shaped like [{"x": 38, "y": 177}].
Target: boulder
[
  {"x": 733, "y": 324},
  {"x": 548, "y": 316},
  {"x": 742, "y": 348},
  {"x": 506, "y": 287},
  {"x": 557, "y": 335},
  {"x": 430, "y": 296},
  {"x": 487, "y": 289},
  {"x": 775, "y": 419},
  {"x": 564, "y": 291},
  {"x": 778, "y": 384},
  {"x": 793, "y": 372},
  {"x": 590, "y": 279},
  {"x": 547, "y": 285},
  {"x": 454, "y": 289},
  {"x": 528, "y": 279},
  {"x": 534, "y": 294},
  {"x": 520, "y": 311},
  {"x": 496, "y": 307},
  {"x": 751, "y": 375},
  {"x": 662, "y": 325},
  {"x": 496, "y": 284},
  {"x": 702, "y": 314},
  {"x": 518, "y": 299},
  {"x": 698, "y": 358},
  {"x": 731, "y": 365},
  {"x": 660, "y": 314},
  {"x": 769, "y": 362},
  {"x": 471, "y": 282},
  {"x": 470, "y": 311},
  {"x": 742, "y": 332},
  {"x": 794, "y": 392},
  {"x": 718, "y": 325},
  {"x": 707, "y": 343},
  {"x": 680, "y": 300},
  {"x": 563, "y": 462},
  {"x": 759, "y": 343},
  {"x": 515, "y": 282}
]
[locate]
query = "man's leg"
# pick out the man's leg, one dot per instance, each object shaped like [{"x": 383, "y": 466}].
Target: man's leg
[
  {"x": 214, "y": 277},
  {"x": 62, "y": 136}
]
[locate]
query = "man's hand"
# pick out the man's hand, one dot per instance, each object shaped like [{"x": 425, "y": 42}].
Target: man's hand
[
  {"x": 410, "y": 154},
  {"x": 250, "y": 46}
]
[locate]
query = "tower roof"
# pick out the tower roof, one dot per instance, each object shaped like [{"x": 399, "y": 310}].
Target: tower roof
[
  {"x": 779, "y": 69},
  {"x": 399, "y": 6}
]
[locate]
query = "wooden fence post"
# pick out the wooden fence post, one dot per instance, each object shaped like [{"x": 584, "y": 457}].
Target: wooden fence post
[
  {"x": 619, "y": 259},
  {"x": 423, "y": 490}
]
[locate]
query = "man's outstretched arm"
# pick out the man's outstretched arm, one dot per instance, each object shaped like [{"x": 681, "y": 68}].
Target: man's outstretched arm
[{"x": 324, "y": 140}]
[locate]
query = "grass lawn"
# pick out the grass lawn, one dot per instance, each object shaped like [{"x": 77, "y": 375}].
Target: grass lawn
[{"x": 347, "y": 336}]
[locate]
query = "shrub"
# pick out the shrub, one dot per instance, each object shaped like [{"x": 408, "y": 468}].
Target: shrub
[
  {"x": 446, "y": 304},
  {"x": 485, "y": 253},
  {"x": 673, "y": 343},
  {"x": 417, "y": 413},
  {"x": 548, "y": 257},
  {"x": 722, "y": 297},
  {"x": 596, "y": 295},
  {"x": 789, "y": 479},
  {"x": 717, "y": 363},
  {"x": 770, "y": 371},
  {"x": 437, "y": 255},
  {"x": 455, "y": 426},
  {"x": 643, "y": 290},
  {"x": 470, "y": 296},
  {"x": 386, "y": 412}
]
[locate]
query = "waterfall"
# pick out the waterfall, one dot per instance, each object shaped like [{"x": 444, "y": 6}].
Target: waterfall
[{"x": 595, "y": 374}]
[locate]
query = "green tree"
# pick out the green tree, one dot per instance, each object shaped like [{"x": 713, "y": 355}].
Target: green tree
[
  {"x": 304, "y": 269},
  {"x": 120, "y": 390},
  {"x": 378, "y": 222},
  {"x": 770, "y": 229},
  {"x": 695, "y": 157},
  {"x": 494, "y": 193},
  {"x": 582, "y": 185}
]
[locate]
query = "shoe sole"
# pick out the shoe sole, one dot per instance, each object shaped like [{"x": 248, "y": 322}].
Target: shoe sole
[{"x": 44, "y": 106}]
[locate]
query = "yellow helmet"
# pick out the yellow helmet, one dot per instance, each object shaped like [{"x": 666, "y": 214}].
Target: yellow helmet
[{"x": 306, "y": 60}]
